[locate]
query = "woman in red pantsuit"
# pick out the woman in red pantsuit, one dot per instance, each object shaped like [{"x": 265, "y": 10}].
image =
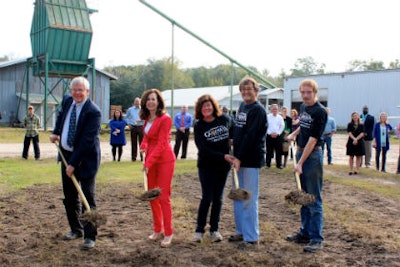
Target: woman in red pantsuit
[{"x": 159, "y": 161}]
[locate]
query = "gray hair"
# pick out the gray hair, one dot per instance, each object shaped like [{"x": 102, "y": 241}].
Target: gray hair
[{"x": 79, "y": 80}]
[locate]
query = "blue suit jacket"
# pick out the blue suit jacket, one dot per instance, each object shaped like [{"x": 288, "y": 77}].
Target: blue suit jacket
[
  {"x": 86, "y": 155},
  {"x": 377, "y": 135}
]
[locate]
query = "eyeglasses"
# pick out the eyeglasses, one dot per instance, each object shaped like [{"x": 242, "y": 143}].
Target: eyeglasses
[{"x": 78, "y": 90}]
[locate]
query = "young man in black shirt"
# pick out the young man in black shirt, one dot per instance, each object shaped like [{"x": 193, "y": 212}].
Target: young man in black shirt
[{"x": 313, "y": 117}]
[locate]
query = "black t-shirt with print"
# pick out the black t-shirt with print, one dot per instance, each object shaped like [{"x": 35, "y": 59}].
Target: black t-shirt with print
[
  {"x": 212, "y": 141},
  {"x": 249, "y": 135},
  {"x": 312, "y": 123}
]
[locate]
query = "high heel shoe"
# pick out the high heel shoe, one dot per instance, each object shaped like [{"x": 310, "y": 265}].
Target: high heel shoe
[
  {"x": 155, "y": 236},
  {"x": 166, "y": 241}
]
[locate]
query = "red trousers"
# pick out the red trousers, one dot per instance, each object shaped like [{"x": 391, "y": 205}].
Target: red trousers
[{"x": 160, "y": 175}]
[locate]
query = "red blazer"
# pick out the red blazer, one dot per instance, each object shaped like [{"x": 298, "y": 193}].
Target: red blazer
[{"x": 156, "y": 142}]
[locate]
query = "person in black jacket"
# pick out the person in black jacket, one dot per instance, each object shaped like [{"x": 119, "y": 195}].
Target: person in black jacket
[
  {"x": 368, "y": 122},
  {"x": 249, "y": 150},
  {"x": 77, "y": 129},
  {"x": 287, "y": 130},
  {"x": 212, "y": 132}
]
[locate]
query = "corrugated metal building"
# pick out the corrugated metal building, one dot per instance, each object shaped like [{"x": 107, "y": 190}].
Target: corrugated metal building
[
  {"x": 13, "y": 93},
  {"x": 346, "y": 92}
]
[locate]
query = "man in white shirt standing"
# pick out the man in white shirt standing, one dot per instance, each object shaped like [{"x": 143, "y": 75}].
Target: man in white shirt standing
[{"x": 276, "y": 125}]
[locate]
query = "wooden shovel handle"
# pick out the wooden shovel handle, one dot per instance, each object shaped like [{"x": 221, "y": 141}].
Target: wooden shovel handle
[
  {"x": 296, "y": 174},
  {"x": 235, "y": 178},
  {"x": 145, "y": 181},
  {"x": 77, "y": 186}
]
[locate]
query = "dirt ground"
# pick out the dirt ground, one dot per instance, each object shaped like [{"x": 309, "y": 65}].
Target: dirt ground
[{"x": 363, "y": 228}]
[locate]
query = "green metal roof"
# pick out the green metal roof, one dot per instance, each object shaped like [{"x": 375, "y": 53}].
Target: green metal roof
[{"x": 62, "y": 30}]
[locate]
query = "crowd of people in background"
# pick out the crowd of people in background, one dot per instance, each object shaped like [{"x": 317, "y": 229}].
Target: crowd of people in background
[{"x": 365, "y": 136}]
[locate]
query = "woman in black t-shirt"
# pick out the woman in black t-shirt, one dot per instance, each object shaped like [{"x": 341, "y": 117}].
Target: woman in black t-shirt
[{"x": 212, "y": 132}]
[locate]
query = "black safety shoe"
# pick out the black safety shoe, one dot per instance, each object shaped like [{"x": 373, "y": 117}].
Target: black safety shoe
[
  {"x": 297, "y": 238},
  {"x": 235, "y": 238}
]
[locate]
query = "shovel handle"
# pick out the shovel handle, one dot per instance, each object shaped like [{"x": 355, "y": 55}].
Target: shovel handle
[
  {"x": 235, "y": 178},
  {"x": 77, "y": 186},
  {"x": 296, "y": 174},
  {"x": 145, "y": 181}
]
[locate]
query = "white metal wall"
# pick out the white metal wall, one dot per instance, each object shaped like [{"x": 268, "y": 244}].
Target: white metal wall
[{"x": 350, "y": 91}]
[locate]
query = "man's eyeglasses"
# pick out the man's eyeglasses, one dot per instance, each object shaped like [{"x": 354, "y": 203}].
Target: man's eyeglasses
[{"x": 78, "y": 90}]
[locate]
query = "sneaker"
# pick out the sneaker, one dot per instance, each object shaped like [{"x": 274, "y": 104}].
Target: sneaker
[
  {"x": 166, "y": 241},
  {"x": 88, "y": 243},
  {"x": 235, "y": 238},
  {"x": 155, "y": 236},
  {"x": 247, "y": 245},
  {"x": 313, "y": 247},
  {"x": 297, "y": 238},
  {"x": 198, "y": 237},
  {"x": 216, "y": 236},
  {"x": 72, "y": 236}
]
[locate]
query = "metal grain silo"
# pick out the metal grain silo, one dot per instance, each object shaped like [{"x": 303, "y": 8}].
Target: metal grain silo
[{"x": 61, "y": 35}]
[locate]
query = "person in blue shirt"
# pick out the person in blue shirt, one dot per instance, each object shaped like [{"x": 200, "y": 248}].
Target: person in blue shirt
[
  {"x": 182, "y": 122},
  {"x": 135, "y": 125},
  {"x": 398, "y": 136},
  {"x": 329, "y": 131},
  {"x": 381, "y": 140}
]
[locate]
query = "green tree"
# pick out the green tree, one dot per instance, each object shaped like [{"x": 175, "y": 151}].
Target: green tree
[
  {"x": 128, "y": 86},
  {"x": 394, "y": 64},
  {"x": 363, "y": 65},
  {"x": 307, "y": 66}
]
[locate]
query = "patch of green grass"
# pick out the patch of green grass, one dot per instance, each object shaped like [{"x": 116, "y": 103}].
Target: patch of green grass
[
  {"x": 16, "y": 173},
  {"x": 385, "y": 184},
  {"x": 16, "y": 135},
  {"x": 385, "y": 189}
]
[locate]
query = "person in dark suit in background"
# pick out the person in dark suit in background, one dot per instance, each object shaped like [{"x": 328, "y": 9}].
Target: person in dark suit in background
[
  {"x": 286, "y": 131},
  {"x": 368, "y": 122},
  {"x": 80, "y": 145}
]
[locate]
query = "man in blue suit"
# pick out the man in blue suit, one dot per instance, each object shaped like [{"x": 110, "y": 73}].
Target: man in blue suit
[{"x": 77, "y": 130}]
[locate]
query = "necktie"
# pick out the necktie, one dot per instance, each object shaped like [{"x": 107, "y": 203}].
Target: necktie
[
  {"x": 72, "y": 127},
  {"x": 183, "y": 120}
]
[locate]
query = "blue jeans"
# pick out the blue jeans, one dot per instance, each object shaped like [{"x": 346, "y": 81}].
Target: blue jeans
[
  {"x": 328, "y": 143},
  {"x": 311, "y": 182},
  {"x": 246, "y": 212}
]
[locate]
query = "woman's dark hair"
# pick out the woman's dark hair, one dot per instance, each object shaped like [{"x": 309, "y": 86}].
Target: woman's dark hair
[
  {"x": 199, "y": 104},
  {"x": 120, "y": 116},
  {"x": 144, "y": 112}
]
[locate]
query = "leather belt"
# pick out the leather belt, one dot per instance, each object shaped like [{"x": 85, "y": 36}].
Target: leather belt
[{"x": 300, "y": 149}]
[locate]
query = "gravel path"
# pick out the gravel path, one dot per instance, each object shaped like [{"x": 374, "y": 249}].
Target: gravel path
[{"x": 48, "y": 150}]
